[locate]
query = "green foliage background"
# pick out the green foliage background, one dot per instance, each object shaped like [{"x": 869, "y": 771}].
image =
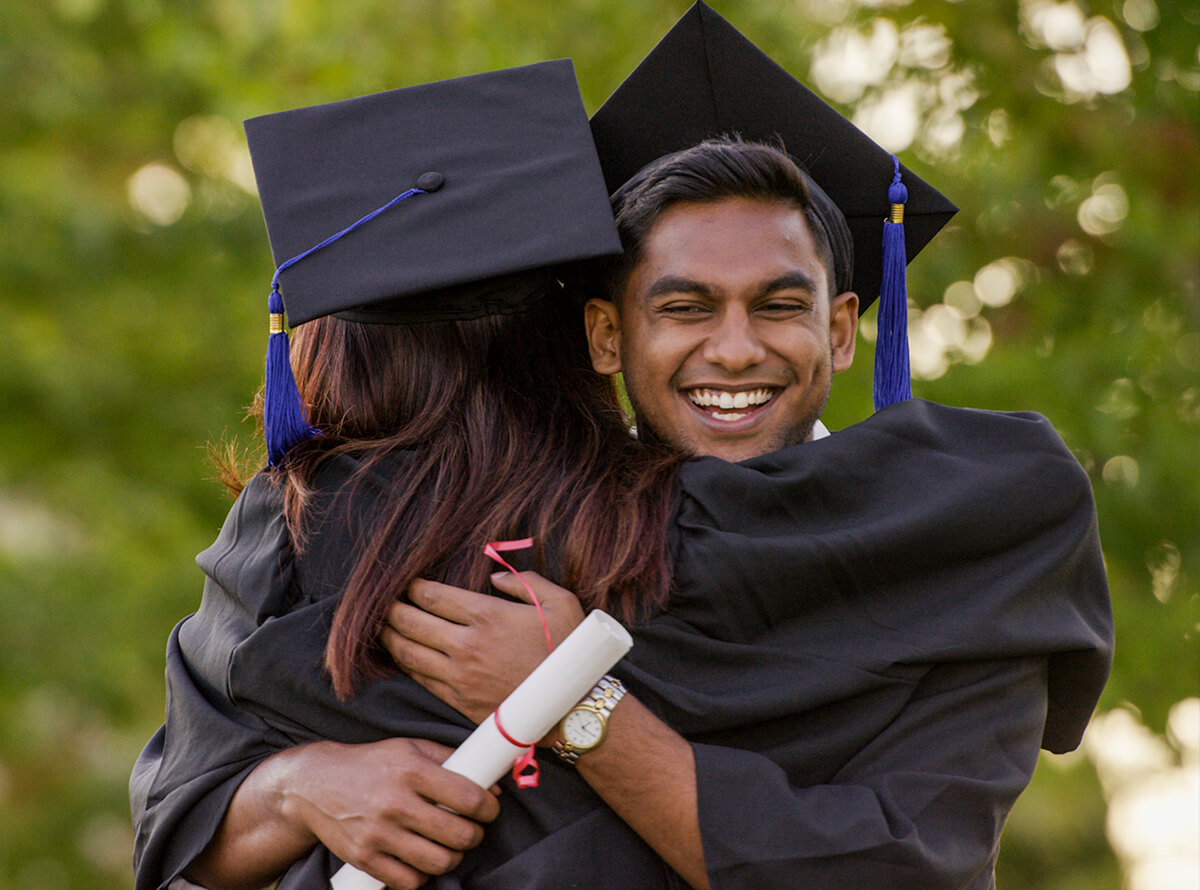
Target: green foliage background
[{"x": 128, "y": 345}]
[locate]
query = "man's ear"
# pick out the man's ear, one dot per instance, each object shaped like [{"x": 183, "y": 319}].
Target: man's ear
[
  {"x": 603, "y": 324},
  {"x": 843, "y": 329}
]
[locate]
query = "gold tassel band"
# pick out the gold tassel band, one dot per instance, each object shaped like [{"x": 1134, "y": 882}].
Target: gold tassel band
[
  {"x": 275, "y": 322},
  {"x": 897, "y": 213}
]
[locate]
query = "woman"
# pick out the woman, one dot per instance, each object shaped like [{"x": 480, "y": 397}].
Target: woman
[{"x": 449, "y": 380}]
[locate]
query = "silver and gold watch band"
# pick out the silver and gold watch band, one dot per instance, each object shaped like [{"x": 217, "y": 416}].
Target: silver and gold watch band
[{"x": 601, "y": 700}]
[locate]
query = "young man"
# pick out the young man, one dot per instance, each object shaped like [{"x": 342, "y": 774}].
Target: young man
[
  {"x": 852, "y": 713},
  {"x": 847, "y": 690}
]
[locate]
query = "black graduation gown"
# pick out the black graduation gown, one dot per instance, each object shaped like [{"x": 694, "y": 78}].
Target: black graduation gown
[{"x": 871, "y": 637}]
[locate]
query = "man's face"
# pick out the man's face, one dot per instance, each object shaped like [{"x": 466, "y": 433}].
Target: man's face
[{"x": 725, "y": 330}]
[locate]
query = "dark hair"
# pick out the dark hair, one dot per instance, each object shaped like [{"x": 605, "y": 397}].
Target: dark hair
[
  {"x": 728, "y": 167},
  {"x": 507, "y": 432}
]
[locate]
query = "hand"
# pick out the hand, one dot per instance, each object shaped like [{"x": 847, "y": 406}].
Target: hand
[
  {"x": 376, "y": 806},
  {"x": 471, "y": 650}
]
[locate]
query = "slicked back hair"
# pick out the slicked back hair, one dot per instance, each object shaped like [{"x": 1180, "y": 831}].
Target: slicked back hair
[{"x": 719, "y": 169}]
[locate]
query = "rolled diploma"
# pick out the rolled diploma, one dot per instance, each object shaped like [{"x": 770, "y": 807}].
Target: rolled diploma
[{"x": 556, "y": 685}]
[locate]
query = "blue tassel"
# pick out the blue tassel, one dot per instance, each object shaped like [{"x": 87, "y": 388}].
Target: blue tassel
[
  {"x": 892, "y": 376},
  {"x": 285, "y": 422}
]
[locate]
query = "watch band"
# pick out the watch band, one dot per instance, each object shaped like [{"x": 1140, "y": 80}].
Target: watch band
[{"x": 602, "y": 699}]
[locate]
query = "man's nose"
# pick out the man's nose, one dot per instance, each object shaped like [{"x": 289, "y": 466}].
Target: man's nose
[{"x": 734, "y": 346}]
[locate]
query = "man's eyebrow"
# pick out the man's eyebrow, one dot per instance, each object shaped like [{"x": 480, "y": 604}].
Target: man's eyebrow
[
  {"x": 675, "y": 284},
  {"x": 794, "y": 280}
]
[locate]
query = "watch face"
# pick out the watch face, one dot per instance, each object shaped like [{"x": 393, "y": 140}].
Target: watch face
[{"x": 583, "y": 729}]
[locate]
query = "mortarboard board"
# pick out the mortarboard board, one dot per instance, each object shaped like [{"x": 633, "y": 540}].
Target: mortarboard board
[
  {"x": 447, "y": 200},
  {"x": 706, "y": 79}
]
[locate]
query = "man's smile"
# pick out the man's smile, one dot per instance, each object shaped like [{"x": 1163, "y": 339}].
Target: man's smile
[{"x": 730, "y": 406}]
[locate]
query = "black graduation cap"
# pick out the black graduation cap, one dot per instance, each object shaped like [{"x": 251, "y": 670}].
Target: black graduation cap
[
  {"x": 506, "y": 163},
  {"x": 706, "y": 79},
  {"x": 422, "y": 204}
]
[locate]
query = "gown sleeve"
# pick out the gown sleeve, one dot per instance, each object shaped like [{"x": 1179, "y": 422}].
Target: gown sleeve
[
  {"x": 188, "y": 772},
  {"x": 870, "y": 639},
  {"x": 186, "y": 775},
  {"x": 921, "y": 806}
]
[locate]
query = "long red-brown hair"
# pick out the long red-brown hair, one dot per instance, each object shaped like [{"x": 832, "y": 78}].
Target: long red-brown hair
[{"x": 507, "y": 431}]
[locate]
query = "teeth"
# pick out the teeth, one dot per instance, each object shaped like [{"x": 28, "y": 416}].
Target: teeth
[
  {"x": 728, "y": 416},
  {"x": 712, "y": 398}
]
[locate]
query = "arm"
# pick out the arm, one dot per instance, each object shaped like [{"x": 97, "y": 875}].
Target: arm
[
  {"x": 643, "y": 770},
  {"x": 921, "y": 805},
  {"x": 244, "y": 778},
  {"x": 207, "y": 790},
  {"x": 374, "y": 805}
]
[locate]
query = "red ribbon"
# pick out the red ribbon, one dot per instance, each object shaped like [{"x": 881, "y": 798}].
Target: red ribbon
[
  {"x": 526, "y": 761},
  {"x": 493, "y": 549}
]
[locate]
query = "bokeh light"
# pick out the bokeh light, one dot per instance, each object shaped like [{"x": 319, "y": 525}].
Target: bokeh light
[
  {"x": 1152, "y": 784},
  {"x": 1104, "y": 212},
  {"x": 159, "y": 194}
]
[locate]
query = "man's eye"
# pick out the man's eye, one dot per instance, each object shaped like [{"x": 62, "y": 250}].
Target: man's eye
[
  {"x": 788, "y": 307},
  {"x": 683, "y": 309}
]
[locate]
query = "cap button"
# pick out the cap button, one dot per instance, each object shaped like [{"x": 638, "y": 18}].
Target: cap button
[{"x": 430, "y": 182}]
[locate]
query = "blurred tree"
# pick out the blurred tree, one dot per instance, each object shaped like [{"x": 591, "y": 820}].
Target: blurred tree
[{"x": 134, "y": 270}]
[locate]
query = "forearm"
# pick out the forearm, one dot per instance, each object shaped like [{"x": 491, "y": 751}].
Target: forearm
[
  {"x": 646, "y": 774},
  {"x": 260, "y": 836}
]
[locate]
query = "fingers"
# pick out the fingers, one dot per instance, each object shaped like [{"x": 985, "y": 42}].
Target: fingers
[
  {"x": 547, "y": 591},
  {"x": 451, "y": 603},
  {"x": 464, "y": 798},
  {"x": 431, "y": 827},
  {"x": 477, "y": 648},
  {"x": 438, "y": 753},
  {"x": 394, "y": 873},
  {"x": 412, "y": 834},
  {"x": 408, "y": 863},
  {"x": 507, "y": 582},
  {"x": 416, "y": 659},
  {"x": 427, "y": 839},
  {"x": 416, "y": 624}
]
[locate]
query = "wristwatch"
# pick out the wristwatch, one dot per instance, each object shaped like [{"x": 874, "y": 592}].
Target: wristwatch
[{"x": 585, "y": 724}]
